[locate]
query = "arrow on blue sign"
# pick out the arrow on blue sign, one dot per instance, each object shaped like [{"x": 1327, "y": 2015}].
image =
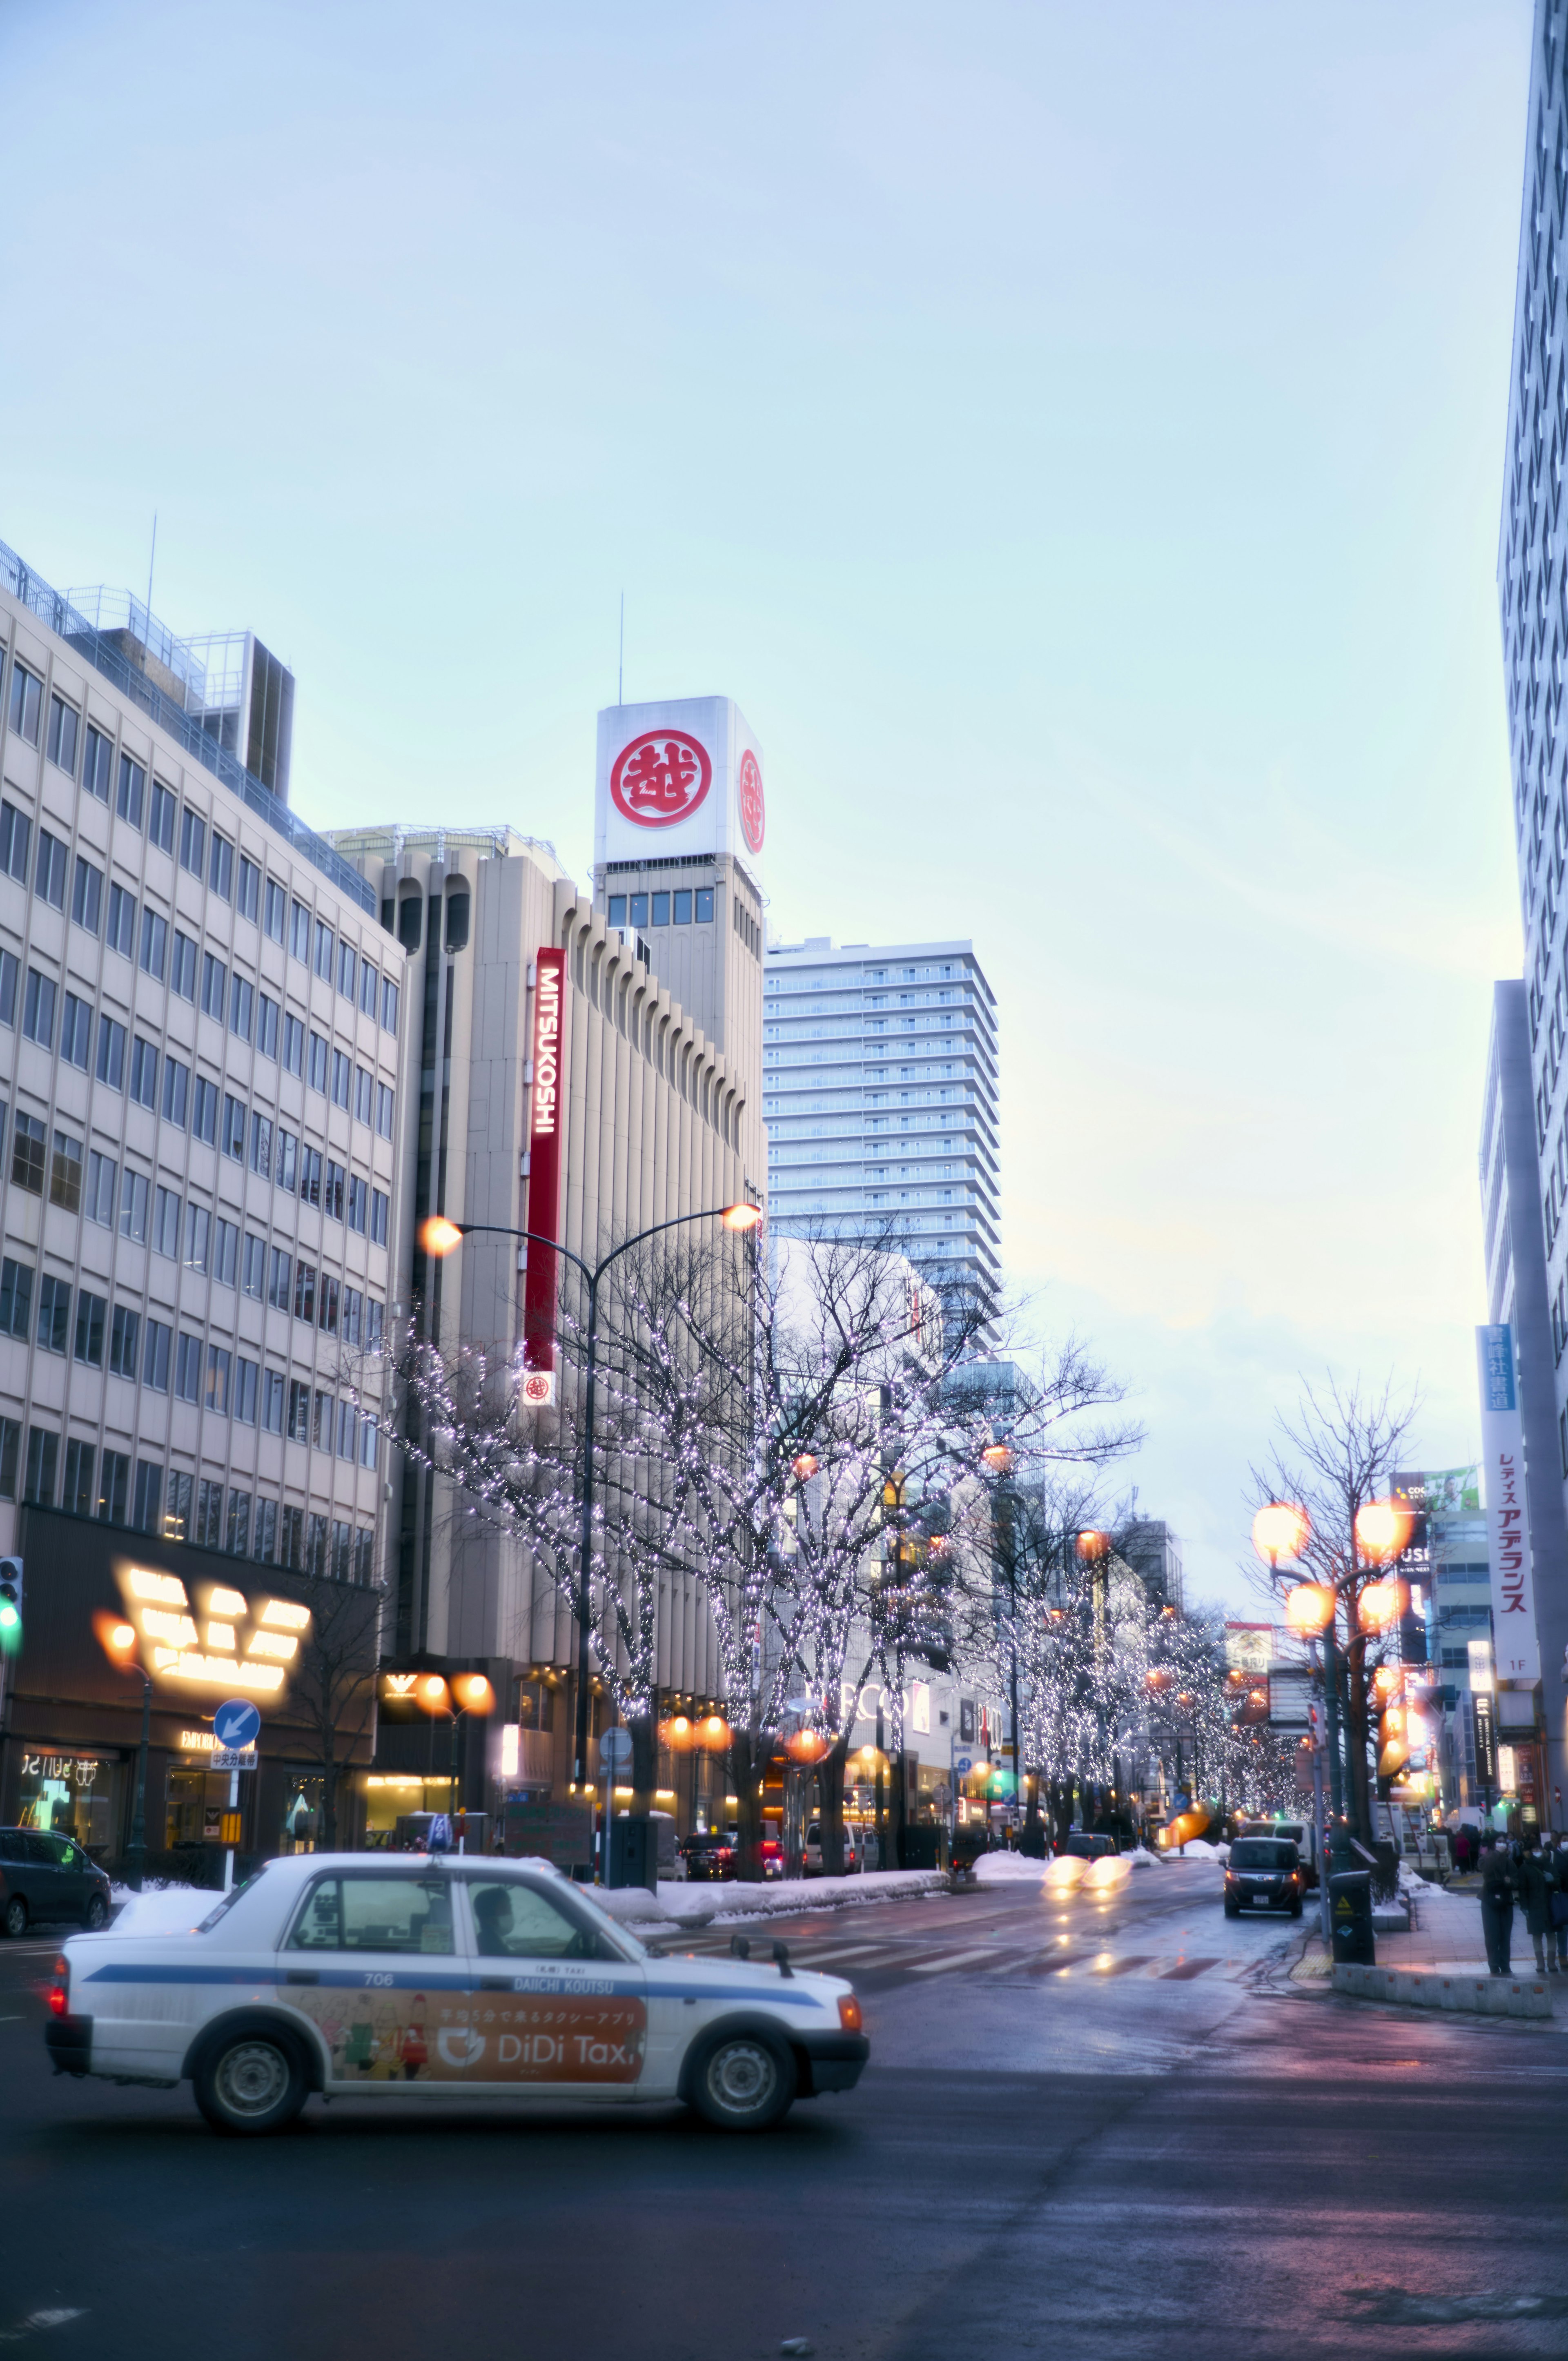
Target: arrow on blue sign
[{"x": 238, "y": 1723}]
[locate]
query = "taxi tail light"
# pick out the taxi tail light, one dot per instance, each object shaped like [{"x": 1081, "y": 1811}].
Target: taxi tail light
[
  {"x": 849, "y": 2012},
  {"x": 60, "y": 1991}
]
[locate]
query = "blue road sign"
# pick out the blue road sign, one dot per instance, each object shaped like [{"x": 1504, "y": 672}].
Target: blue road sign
[
  {"x": 238, "y": 1723},
  {"x": 963, "y": 1765}
]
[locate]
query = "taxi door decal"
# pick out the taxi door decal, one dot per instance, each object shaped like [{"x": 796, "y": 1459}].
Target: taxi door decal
[{"x": 555, "y": 2028}]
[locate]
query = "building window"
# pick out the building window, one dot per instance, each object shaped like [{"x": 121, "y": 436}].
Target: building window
[
  {"x": 111, "y": 1053},
  {"x": 10, "y": 1456},
  {"x": 249, "y": 889},
  {"x": 326, "y": 1304},
  {"x": 661, "y": 910},
  {"x": 113, "y": 1488},
  {"x": 124, "y": 1334},
  {"x": 16, "y": 1298},
  {"x": 122, "y": 934},
  {"x": 205, "y": 1126},
  {"x": 99, "y": 1202},
  {"x": 384, "y": 1110},
  {"x": 87, "y": 895},
  {"x": 368, "y": 978},
  {"x": 65, "y": 1173},
  {"x": 50, "y": 875},
  {"x": 54, "y": 1313},
  {"x": 43, "y": 1460},
  {"x": 236, "y": 1540},
  {"x": 261, "y": 1146},
  {"x": 299, "y": 1411},
  {"x": 331, "y": 1192},
  {"x": 63, "y": 724},
  {"x": 220, "y": 867},
  {"x": 347, "y": 962},
  {"x": 79, "y": 1460},
  {"x": 160, "y": 817},
  {"x": 242, "y": 1003},
  {"x": 255, "y": 1277},
  {"x": 38, "y": 1009},
  {"x": 389, "y": 1007},
  {"x": 192, "y": 841},
  {"x": 198, "y": 1236},
  {"x": 154, "y": 944},
  {"x": 76, "y": 1033},
  {"x": 378, "y": 1217},
  {"x": 155, "y": 1360},
  {"x": 342, "y": 1075},
  {"x": 234, "y": 1127},
  {"x": 215, "y": 987},
  {"x": 272, "y": 1401},
  {"x": 183, "y": 967},
  {"x": 277, "y": 906},
  {"x": 175, "y": 1093},
  {"x": 359, "y": 1204},
  {"x": 217, "y": 1392},
  {"x": 316, "y": 1078},
  {"x": 97, "y": 764},
  {"x": 166, "y": 1224},
  {"x": 323, "y": 952},
  {"x": 9, "y": 972},
  {"x": 287, "y": 1171},
  {"x": 267, "y": 1027},
  {"x": 144, "y": 1073},
  {"x": 293, "y": 1046},
  {"x": 278, "y": 1285},
  {"x": 130, "y": 790},
  {"x": 26, "y": 703},
  {"x": 225, "y": 1253},
  {"x": 92, "y": 1313},
  {"x": 364, "y": 1094},
  {"x": 188, "y": 1369},
  {"x": 145, "y": 1513},
  {"x": 305, "y": 1294},
  {"x": 352, "y": 1309},
  {"x": 135, "y": 1195},
  {"x": 178, "y": 1519},
  {"x": 310, "y": 1177},
  {"x": 16, "y": 837}
]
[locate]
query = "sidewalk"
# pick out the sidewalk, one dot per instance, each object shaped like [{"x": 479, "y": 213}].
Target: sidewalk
[{"x": 1444, "y": 1934}]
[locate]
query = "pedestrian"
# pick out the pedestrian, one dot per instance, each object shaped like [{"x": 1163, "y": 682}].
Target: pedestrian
[
  {"x": 1496, "y": 1902},
  {"x": 1559, "y": 1900},
  {"x": 1538, "y": 1884},
  {"x": 1461, "y": 1849}
]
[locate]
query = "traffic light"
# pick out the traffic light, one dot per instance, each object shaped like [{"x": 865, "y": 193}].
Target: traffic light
[{"x": 10, "y": 1604}]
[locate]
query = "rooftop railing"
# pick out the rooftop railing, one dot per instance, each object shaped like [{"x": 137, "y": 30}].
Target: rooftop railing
[{"x": 70, "y": 624}]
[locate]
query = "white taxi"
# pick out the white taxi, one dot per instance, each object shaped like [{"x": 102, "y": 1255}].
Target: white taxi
[{"x": 441, "y": 1977}]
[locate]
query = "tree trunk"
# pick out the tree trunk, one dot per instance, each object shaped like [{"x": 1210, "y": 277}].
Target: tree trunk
[
  {"x": 830, "y": 1780},
  {"x": 747, "y": 1755},
  {"x": 329, "y": 1801}
]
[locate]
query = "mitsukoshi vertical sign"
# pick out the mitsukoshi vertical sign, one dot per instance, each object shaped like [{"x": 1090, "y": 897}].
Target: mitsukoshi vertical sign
[
  {"x": 1518, "y": 1654},
  {"x": 546, "y": 1113}
]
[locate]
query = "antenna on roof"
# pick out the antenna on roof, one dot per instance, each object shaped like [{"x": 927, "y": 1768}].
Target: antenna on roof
[{"x": 620, "y": 659}]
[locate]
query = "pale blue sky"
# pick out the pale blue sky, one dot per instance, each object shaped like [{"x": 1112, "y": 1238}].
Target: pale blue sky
[{"x": 1073, "y": 434}]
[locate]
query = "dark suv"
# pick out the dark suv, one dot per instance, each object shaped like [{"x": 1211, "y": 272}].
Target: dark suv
[
  {"x": 709, "y": 1855},
  {"x": 45, "y": 1877},
  {"x": 1089, "y": 1847},
  {"x": 1265, "y": 1871}
]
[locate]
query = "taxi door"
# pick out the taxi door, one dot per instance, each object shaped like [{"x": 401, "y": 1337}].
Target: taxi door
[
  {"x": 553, "y": 2009},
  {"x": 371, "y": 1961}
]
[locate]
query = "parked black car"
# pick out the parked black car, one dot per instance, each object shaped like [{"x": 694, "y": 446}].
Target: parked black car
[
  {"x": 45, "y": 1877},
  {"x": 712, "y": 1855},
  {"x": 1265, "y": 1871}
]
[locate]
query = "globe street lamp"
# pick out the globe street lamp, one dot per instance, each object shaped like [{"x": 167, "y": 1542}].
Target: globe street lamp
[{"x": 440, "y": 1236}]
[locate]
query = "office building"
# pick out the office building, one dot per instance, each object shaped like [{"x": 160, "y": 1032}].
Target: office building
[
  {"x": 654, "y": 1121},
  {"x": 1526, "y": 1113},
  {"x": 880, "y": 1093},
  {"x": 199, "y": 1020}
]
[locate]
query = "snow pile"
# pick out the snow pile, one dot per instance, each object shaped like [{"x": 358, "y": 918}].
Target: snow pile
[
  {"x": 1010, "y": 1868},
  {"x": 163, "y": 1910},
  {"x": 1200, "y": 1848},
  {"x": 1141, "y": 1858},
  {"x": 680, "y": 1903}
]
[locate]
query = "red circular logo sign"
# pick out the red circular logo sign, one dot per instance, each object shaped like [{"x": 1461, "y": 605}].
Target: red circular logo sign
[
  {"x": 749, "y": 791},
  {"x": 661, "y": 778},
  {"x": 538, "y": 1386}
]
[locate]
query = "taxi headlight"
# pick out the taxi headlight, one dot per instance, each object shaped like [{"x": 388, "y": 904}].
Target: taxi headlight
[{"x": 849, "y": 2012}]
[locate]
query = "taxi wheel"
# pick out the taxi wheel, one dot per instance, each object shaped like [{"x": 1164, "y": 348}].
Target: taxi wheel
[
  {"x": 743, "y": 2082},
  {"x": 16, "y": 1917},
  {"x": 251, "y": 2083}
]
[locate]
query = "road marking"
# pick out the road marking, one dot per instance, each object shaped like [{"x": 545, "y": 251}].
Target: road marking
[
  {"x": 1184, "y": 1970},
  {"x": 1125, "y": 1967},
  {"x": 956, "y": 1960}
]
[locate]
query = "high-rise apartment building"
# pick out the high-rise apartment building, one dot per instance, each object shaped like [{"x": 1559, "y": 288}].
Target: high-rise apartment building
[
  {"x": 1529, "y": 1062},
  {"x": 199, "y": 1020},
  {"x": 880, "y": 1093}
]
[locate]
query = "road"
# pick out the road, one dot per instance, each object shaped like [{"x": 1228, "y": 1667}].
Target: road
[{"x": 1090, "y": 2129}]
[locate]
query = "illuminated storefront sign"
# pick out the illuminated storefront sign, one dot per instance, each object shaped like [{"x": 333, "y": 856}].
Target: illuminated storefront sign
[
  {"x": 543, "y": 1179},
  {"x": 218, "y": 1640}
]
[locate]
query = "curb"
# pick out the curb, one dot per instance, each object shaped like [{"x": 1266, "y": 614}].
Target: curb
[{"x": 1468, "y": 1995}]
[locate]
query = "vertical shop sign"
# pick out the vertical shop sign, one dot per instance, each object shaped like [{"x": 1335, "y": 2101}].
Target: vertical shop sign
[
  {"x": 546, "y": 1108},
  {"x": 1508, "y": 1522}
]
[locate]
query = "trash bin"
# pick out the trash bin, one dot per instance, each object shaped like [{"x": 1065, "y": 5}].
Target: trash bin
[{"x": 1350, "y": 1917}]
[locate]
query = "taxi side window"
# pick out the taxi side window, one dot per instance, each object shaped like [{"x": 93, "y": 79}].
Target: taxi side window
[
  {"x": 376, "y": 1914},
  {"x": 514, "y": 1921}
]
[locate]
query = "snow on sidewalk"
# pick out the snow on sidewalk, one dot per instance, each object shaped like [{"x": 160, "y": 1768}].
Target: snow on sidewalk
[{"x": 682, "y": 1903}]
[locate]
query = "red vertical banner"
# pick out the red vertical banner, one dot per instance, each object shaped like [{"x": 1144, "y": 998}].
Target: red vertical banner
[{"x": 546, "y": 1115}]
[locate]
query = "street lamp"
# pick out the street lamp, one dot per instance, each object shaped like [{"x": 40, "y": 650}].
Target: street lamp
[
  {"x": 465, "y": 1693},
  {"x": 118, "y": 1640},
  {"x": 441, "y": 1238}
]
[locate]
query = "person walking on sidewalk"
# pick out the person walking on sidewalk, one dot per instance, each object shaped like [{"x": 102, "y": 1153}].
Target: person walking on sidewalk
[
  {"x": 1498, "y": 1890},
  {"x": 1538, "y": 1884},
  {"x": 1559, "y": 1900}
]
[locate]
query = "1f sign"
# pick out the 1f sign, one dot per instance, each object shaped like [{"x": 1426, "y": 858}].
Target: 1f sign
[{"x": 1508, "y": 1518}]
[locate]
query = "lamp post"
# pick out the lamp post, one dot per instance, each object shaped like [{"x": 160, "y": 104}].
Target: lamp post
[{"x": 440, "y": 1236}]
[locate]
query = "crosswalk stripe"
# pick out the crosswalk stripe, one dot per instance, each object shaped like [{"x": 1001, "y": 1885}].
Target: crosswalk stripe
[
  {"x": 1184, "y": 1970},
  {"x": 953, "y": 1959}
]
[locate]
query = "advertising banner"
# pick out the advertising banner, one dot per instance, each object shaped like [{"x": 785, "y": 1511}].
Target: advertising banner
[
  {"x": 678, "y": 780},
  {"x": 1508, "y": 1520},
  {"x": 547, "y": 1114}
]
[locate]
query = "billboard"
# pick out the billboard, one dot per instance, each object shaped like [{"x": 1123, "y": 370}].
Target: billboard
[
  {"x": 1518, "y": 1651},
  {"x": 678, "y": 780},
  {"x": 546, "y": 1108}
]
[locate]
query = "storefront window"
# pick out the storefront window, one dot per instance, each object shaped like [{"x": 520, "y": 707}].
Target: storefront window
[
  {"x": 392, "y": 1796},
  {"x": 73, "y": 1794},
  {"x": 301, "y": 1826}
]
